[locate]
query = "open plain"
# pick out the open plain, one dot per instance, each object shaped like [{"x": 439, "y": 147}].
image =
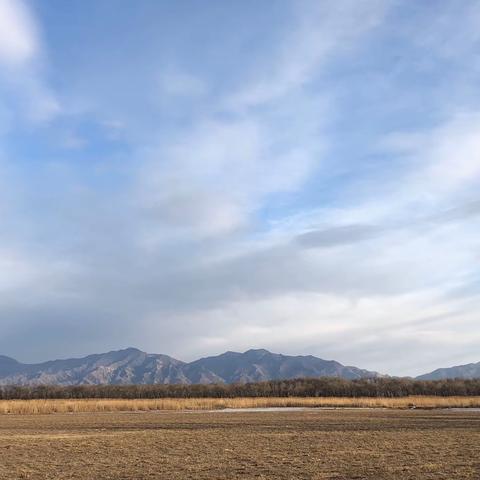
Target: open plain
[{"x": 309, "y": 444}]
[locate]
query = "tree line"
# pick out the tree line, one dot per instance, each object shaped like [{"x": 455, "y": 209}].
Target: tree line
[{"x": 301, "y": 387}]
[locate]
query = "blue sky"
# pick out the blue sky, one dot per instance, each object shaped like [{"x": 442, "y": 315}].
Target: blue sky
[{"x": 193, "y": 177}]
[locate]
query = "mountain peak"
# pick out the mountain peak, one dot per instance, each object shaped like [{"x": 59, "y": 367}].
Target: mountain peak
[
  {"x": 258, "y": 351},
  {"x": 128, "y": 350}
]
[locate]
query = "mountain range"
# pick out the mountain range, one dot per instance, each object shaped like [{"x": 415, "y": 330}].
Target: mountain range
[{"x": 132, "y": 366}]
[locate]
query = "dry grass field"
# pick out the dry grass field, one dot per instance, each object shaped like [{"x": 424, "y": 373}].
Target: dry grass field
[
  {"x": 120, "y": 405},
  {"x": 309, "y": 444}
]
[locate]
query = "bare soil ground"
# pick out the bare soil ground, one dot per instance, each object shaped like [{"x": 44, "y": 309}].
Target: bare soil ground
[{"x": 313, "y": 444}]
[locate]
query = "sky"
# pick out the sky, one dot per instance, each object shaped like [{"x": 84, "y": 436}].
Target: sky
[{"x": 192, "y": 177}]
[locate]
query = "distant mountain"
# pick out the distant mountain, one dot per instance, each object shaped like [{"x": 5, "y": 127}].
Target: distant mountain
[
  {"x": 472, "y": 370},
  {"x": 7, "y": 366},
  {"x": 260, "y": 365},
  {"x": 132, "y": 366},
  {"x": 120, "y": 367}
]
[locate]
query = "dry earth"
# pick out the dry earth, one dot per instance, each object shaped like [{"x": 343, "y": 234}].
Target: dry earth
[{"x": 312, "y": 444}]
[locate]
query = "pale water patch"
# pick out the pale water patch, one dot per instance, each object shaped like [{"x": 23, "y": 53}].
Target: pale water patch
[
  {"x": 458, "y": 409},
  {"x": 274, "y": 409},
  {"x": 304, "y": 409}
]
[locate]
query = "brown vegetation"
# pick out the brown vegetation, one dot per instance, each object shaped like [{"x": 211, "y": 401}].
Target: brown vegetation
[{"x": 132, "y": 405}]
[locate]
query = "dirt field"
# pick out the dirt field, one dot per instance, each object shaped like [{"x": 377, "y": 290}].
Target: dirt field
[{"x": 312, "y": 444}]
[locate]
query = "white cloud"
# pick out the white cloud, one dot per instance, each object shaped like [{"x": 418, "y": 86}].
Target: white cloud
[
  {"x": 21, "y": 59},
  {"x": 214, "y": 178},
  {"x": 18, "y": 36},
  {"x": 441, "y": 167},
  {"x": 386, "y": 333},
  {"x": 452, "y": 155}
]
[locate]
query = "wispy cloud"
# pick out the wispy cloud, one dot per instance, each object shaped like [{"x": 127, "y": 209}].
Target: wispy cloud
[
  {"x": 322, "y": 32},
  {"x": 21, "y": 62}
]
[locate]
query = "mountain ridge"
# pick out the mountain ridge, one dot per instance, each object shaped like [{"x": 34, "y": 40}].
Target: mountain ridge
[
  {"x": 133, "y": 366},
  {"x": 467, "y": 371}
]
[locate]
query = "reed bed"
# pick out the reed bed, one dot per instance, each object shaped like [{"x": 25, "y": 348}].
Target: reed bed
[{"x": 143, "y": 405}]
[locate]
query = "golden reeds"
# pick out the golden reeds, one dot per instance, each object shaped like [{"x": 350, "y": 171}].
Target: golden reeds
[{"x": 133, "y": 405}]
